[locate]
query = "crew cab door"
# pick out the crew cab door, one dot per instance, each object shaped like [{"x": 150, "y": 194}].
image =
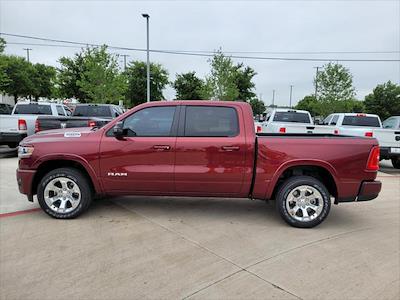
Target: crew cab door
[
  {"x": 210, "y": 151},
  {"x": 143, "y": 160}
]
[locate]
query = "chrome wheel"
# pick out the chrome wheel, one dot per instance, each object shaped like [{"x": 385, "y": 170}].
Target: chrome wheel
[
  {"x": 62, "y": 195},
  {"x": 304, "y": 203}
]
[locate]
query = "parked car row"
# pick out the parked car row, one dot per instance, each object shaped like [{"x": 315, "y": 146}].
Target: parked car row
[
  {"x": 27, "y": 118},
  {"x": 347, "y": 124}
]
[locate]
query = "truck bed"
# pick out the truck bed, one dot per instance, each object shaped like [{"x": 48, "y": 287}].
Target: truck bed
[{"x": 344, "y": 157}]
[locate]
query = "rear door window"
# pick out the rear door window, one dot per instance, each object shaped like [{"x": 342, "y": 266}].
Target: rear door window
[
  {"x": 211, "y": 121},
  {"x": 389, "y": 123},
  {"x": 335, "y": 118},
  {"x": 361, "y": 121},
  {"x": 92, "y": 111},
  {"x": 60, "y": 110},
  {"x": 32, "y": 109},
  {"x": 291, "y": 116}
]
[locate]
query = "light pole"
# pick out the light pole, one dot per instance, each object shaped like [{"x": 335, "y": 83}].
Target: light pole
[
  {"x": 290, "y": 101},
  {"x": 148, "y": 57},
  {"x": 273, "y": 98}
]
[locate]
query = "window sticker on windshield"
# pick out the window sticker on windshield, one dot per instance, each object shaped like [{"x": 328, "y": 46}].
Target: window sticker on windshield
[{"x": 72, "y": 134}]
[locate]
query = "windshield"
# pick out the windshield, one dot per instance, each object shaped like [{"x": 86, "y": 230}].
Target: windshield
[
  {"x": 291, "y": 116},
  {"x": 92, "y": 111},
  {"x": 32, "y": 109},
  {"x": 361, "y": 121}
]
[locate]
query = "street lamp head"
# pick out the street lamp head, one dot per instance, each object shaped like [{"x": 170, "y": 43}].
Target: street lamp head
[{"x": 145, "y": 16}]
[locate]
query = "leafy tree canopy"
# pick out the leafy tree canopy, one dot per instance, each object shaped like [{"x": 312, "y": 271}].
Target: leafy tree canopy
[
  {"x": 136, "y": 77},
  {"x": 189, "y": 87},
  {"x": 258, "y": 106},
  {"x": 334, "y": 83},
  {"x": 384, "y": 100},
  {"x": 100, "y": 80}
]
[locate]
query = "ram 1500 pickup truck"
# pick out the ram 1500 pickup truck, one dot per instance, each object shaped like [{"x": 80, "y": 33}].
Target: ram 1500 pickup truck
[{"x": 197, "y": 148}]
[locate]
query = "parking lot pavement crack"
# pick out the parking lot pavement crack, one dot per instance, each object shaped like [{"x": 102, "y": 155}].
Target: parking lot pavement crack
[
  {"x": 306, "y": 245},
  {"x": 209, "y": 251}
]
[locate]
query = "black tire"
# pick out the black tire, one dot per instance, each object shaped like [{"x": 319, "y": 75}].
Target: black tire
[
  {"x": 290, "y": 185},
  {"x": 79, "y": 179},
  {"x": 12, "y": 145},
  {"x": 396, "y": 162}
]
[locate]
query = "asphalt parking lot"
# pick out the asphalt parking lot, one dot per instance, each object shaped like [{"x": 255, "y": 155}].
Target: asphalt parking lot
[{"x": 163, "y": 248}]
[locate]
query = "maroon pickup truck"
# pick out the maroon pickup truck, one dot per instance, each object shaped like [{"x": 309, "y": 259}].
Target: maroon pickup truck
[{"x": 199, "y": 149}]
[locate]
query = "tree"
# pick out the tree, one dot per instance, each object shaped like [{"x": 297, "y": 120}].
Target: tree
[
  {"x": 137, "y": 84},
  {"x": 221, "y": 83},
  {"x": 16, "y": 78},
  {"x": 243, "y": 80},
  {"x": 101, "y": 80},
  {"x": 258, "y": 106},
  {"x": 188, "y": 86},
  {"x": 69, "y": 75},
  {"x": 321, "y": 108},
  {"x": 2, "y": 44},
  {"x": 311, "y": 104},
  {"x": 43, "y": 79},
  {"x": 384, "y": 100},
  {"x": 334, "y": 83}
]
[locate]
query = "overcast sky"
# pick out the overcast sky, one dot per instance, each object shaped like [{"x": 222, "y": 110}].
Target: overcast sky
[{"x": 265, "y": 26}]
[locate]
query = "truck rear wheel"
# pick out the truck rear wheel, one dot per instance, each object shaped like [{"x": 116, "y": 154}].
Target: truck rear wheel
[
  {"x": 64, "y": 193},
  {"x": 303, "y": 201},
  {"x": 396, "y": 162}
]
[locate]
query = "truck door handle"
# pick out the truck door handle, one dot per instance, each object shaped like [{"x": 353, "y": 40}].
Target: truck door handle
[
  {"x": 230, "y": 148},
  {"x": 161, "y": 147}
]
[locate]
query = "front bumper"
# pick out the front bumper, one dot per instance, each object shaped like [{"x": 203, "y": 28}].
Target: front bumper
[
  {"x": 368, "y": 190},
  {"x": 6, "y": 137},
  {"x": 386, "y": 153},
  {"x": 25, "y": 181}
]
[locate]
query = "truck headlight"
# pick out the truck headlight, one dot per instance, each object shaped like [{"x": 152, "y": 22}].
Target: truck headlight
[{"x": 25, "y": 151}]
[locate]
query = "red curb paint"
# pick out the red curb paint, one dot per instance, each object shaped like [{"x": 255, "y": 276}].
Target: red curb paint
[{"x": 19, "y": 212}]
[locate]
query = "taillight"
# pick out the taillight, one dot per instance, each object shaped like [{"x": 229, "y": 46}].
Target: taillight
[
  {"x": 37, "y": 126},
  {"x": 92, "y": 123},
  {"x": 336, "y": 131},
  {"x": 369, "y": 134},
  {"x": 259, "y": 128},
  {"x": 22, "y": 124},
  {"x": 282, "y": 130},
  {"x": 373, "y": 159}
]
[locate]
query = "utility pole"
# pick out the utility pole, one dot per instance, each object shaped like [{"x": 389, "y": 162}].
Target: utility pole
[
  {"x": 148, "y": 57},
  {"x": 316, "y": 82},
  {"x": 290, "y": 101},
  {"x": 27, "y": 53},
  {"x": 273, "y": 97},
  {"x": 125, "y": 56}
]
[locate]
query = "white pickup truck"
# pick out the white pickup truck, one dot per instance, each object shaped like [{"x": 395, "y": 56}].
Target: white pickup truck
[
  {"x": 368, "y": 125},
  {"x": 21, "y": 122},
  {"x": 283, "y": 120}
]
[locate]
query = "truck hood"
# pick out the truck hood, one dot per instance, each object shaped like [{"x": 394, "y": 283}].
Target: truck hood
[{"x": 59, "y": 135}]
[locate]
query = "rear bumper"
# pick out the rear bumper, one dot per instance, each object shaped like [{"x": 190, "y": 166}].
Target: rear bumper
[
  {"x": 385, "y": 153},
  {"x": 368, "y": 190},
  {"x": 11, "y": 137},
  {"x": 25, "y": 180}
]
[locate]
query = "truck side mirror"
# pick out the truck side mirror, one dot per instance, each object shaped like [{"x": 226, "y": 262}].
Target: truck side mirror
[{"x": 119, "y": 131}]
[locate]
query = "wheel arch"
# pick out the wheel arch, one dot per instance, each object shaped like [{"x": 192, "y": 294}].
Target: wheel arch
[
  {"x": 49, "y": 164},
  {"x": 319, "y": 170}
]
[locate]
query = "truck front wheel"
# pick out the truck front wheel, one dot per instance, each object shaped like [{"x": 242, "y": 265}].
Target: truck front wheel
[
  {"x": 64, "y": 193},
  {"x": 303, "y": 201},
  {"x": 396, "y": 162}
]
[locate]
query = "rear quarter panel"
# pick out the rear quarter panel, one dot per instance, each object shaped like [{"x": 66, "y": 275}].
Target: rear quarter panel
[{"x": 344, "y": 157}]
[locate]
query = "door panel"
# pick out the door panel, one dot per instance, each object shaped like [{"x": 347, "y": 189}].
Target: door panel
[
  {"x": 214, "y": 164},
  {"x": 142, "y": 161},
  {"x": 147, "y": 167}
]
